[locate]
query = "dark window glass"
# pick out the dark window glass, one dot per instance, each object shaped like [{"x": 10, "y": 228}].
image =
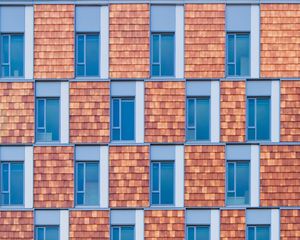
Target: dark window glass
[{"x": 198, "y": 233}]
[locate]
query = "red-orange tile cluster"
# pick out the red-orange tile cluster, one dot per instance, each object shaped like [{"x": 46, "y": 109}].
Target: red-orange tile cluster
[
  {"x": 289, "y": 224},
  {"x": 233, "y": 224}
]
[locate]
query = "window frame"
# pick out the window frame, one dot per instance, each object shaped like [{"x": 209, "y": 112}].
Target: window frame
[
  {"x": 36, "y": 227},
  {"x": 120, "y": 227},
  {"x": 195, "y": 227},
  {"x": 255, "y": 227}
]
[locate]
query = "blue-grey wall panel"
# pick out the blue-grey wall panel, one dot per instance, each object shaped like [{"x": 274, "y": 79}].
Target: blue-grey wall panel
[
  {"x": 47, "y": 217},
  {"x": 12, "y": 153},
  {"x": 88, "y": 19},
  {"x": 120, "y": 89},
  {"x": 238, "y": 18},
  {"x": 198, "y": 217},
  {"x": 259, "y": 88},
  {"x": 12, "y": 19},
  {"x": 87, "y": 153},
  {"x": 238, "y": 152},
  {"x": 122, "y": 217},
  {"x": 258, "y": 216},
  {"x": 47, "y": 89},
  {"x": 159, "y": 153},
  {"x": 198, "y": 88},
  {"x": 163, "y": 18}
]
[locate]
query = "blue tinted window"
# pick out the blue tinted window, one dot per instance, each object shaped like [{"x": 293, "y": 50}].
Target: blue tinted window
[
  {"x": 41, "y": 111},
  {"x": 258, "y": 233},
  {"x": 251, "y": 233},
  {"x": 52, "y": 233},
  {"x": 116, "y": 233},
  {"x": 191, "y": 233},
  {"x": 198, "y": 233},
  {"x": 92, "y": 184},
  {"x": 52, "y": 116},
  {"x": 40, "y": 233},
  {"x": 80, "y": 183},
  {"x": 122, "y": 233}
]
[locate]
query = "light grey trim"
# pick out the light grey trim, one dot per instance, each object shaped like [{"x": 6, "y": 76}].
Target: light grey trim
[
  {"x": 258, "y": 216},
  {"x": 198, "y": 217},
  {"x": 64, "y": 225},
  {"x": 162, "y": 152},
  {"x": 122, "y": 217},
  {"x": 47, "y": 217},
  {"x": 275, "y": 224},
  {"x": 255, "y": 41},
  {"x": 275, "y": 111},
  {"x": 198, "y": 88},
  {"x": 258, "y": 88},
  {"x": 215, "y": 224},
  {"x": 123, "y": 89},
  {"x": 163, "y": 18},
  {"x": 238, "y": 152},
  {"x": 215, "y": 112},
  {"x": 255, "y": 176},
  {"x": 104, "y": 176},
  {"x": 28, "y": 177},
  {"x": 139, "y": 112},
  {"x": 86, "y": 19},
  {"x": 47, "y": 89},
  {"x": 12, "y": 19},
  {"x": 139, "y": 228},
  {"x": 179, "y": 176},
  {"x": 12, "y": 153},
  {"x": 28, "y": 38},
  {"x": 104, "y": 43},
  {"x": 87, "y": 153},
  {"x": 179, "y": 42},
  {"x": 238, "y": 18},
  {"x": 64, "y": 112}
]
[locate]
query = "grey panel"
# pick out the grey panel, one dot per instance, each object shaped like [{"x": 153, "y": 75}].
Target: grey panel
[
  {"x": 199, "y": 88},
  {"x": 12, "y": 19},
  {"x": 87, "y": 153},
  {"x": 258, "y": 216},
  {"x": 259, "y": 88},
  {"x": 238, "y": 18},
  {"x": 163, "y": 18},
  {"x": 122, "y": 217},
  {"x": 47, "y": 217},
  {"x": 12, "y": 153},
  {"x": 238, "y": 152},
  {"x": 47, "y": 89},
  {"x": 162, "y": 152},
  {"x": 88, "y": 19},
  {"x": 120, "y": 89},
  {"x": 198, "y": 217}
]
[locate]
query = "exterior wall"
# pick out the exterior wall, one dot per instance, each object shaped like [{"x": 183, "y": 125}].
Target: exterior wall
[
  {"x": 204, "y": 40},
  {"x": 89, "y": 112},
  {"x": 164, "y": 112},
  {"x": 290, "y": 111},
  {"x": 289, "y": 226},
  {"x": 129, "y": 176},
  {"x": 204, "y": 176},
  {"x": 233, "y": 224},
  {"x": 85, "y": 224},
  {"x": 279, "y": 175},
  {"x": 53, "y": 177},
  {"x": 233, "y": 112},
  {"x": 16, "y": 112},
  {"x": 16, "y": 225},
  {"x": 129, "y": 40},
  {"x": 164, "y": 224},
  {"x": 53, "y": 41},
  {"x": 280, "y": 40}
]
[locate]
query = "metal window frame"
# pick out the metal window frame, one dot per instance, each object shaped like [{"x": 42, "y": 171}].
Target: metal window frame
[
  {"x": 255, "y": 228},
  {"x": 195, "y": 228},
  {"x": 44, "y": 227},
  {"x": 119, "y": 227}
]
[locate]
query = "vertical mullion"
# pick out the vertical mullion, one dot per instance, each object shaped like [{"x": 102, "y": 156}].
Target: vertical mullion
[
  {"x": 9, "y": 67},
  {"x": 159, "y": 182},
  {"x": 234, "y": 54},
  {"x": 120, "y": 118},
  {"x": 84, "y": 182},
  {"x": 45, "y": 111},
  {"x": 195, "y": 118},
  {"x": 8, "y": 183},
  {"x": 255, "y": 118},
  {"x": 44, "y": 228},
  {"x": 84, "y": 55},
  {"x": 159, "y": 54},
  {"x": 234, "y": 177}
]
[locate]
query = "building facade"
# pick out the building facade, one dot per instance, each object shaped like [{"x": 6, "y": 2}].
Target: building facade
[{"x": 132, "y": 120}]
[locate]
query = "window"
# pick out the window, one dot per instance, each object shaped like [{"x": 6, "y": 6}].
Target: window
[
  {"x": 12, "y": 183},
  {"x": 238, "y": 54},
  {"x": 47, "y": 119},
  {"x": 47, "y": 233},
  {"x": 12, "y": 55},
  {"x": 238, "y": 183},
  {"x": 198, "y": 233},
  {"x": 122, "y": 233},
  {"x": 162, "y": 54},
  {"x": 87, "y": 57},
  {"x": 162, "y": 183},
  {"x": 198, "y": 112},
  {"x": 258, "y": 119},
  {"x": 123, "y": 119},
  {"x": 258, "y": 232},
  {"x": 87, "y": 183}
]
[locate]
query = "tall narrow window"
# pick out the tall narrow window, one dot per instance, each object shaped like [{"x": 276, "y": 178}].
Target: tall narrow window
[
  {"x": 12, "y": 55},
  {"x": 123, "y": 119},
  {"x": 198, "y": 233},
  {"x": 238, "y": 183},
  {"x": 122, "y": 233},
  {"x": 46, "y": 233},
  {"x": 12, "y": 183},
  {"x": 87, "y": 57},
  {"x": 162, "y": 183},
  {"x": 198, "y": 118},
  {"x": 258, "y": 118},
  {"x": 162, "y": 54},
  {"x": 258, "y": 232},
  {"x": 47, "y": 119},
  {"x": 238, "y": 54},
  {"x": 87, "y": 183}
]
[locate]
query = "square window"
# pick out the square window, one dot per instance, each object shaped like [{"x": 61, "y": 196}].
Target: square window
[
  {"x": 122, "y": 233},
  {"x": 258, "y": 232},
  {"x": 198, "y": 232},
  {"x": 47, "y": 233}
]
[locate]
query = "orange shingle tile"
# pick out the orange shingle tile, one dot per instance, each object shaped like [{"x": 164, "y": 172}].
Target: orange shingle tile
[
  {"x": 233, "y": 224},
  {"x": 290, "y": 224}
]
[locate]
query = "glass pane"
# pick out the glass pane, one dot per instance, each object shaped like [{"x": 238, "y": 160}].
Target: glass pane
[
  {"x": 116, "y": 117},
  {"x": 41, "y": 111},
  {"x": 167, "y": 55},
  {"x": 251, "y": 233},
  {"x": 16, "y": 55},
  {"x": 4, "y": 174},
  {"x": 80, "y": 198},
  {"x": 167, "y": 183},
  {"x": 231, "y": 69},
  {"x": 80, "y": 176},
  {"x": 40, "y": 233},
  {"x": 155, "y": 198},
  {"x": 242, "y": 55},
  {"x": 251, "y": 133},
  {"x": 155, "y": 70},
  {"x": 115, "y": 234},
  {"x": 52, "y": 233},
  {"x": 202, "y": 233},
  {"x": 242, "y": 181},
  {"x": 116, "y": 134},
  {"x": 230, "y": 176},
  {"x": 127, "y": 120},
  {"x": 52, "y": 116},
  {"x": 16, "y": 183},
  {"x": 80, "y": 70},
  {"x": 92, "y": 55},
  {"x": 251, "y": 112},
  {"x": 203, "y": 112},
  {"x": 92, "y": 184},
  {"x": 155, "y": 49},
  {"x": 155, "y": 176},
  {"x": 5, "y": 71},
  {"x": 5, "y": 51},
  {"x": 127, "y": 233},
  {"x": 230, "y": 49},
  {"x": 80, "y": 49},
  {"x": 191, "y": 112},
  {"x": 190, "y": 134},
  {"x": 262, "y": 233},
  {"x": 263, "y": 119},
  {"x": 191, "y": 233}
]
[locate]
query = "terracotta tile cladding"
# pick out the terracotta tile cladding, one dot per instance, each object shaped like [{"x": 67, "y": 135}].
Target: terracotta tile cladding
[
  {"x": 290, "y": 224},
  {"x": 280, "y": 40},
  {"x": 53, "y": 41},
  {"x": 16, "y": 112},
  {"x": 233, "y": 224},
  {"x": 233, "y": 113},
  {"x": 279, "y": 175},
  {"x": 16, "y": 225},
  {"x": 89, "y": 112},
  {"x": 204, "y": 176},
  {"x": 129, "y": 176},
  {"x": 129, "y": 40},
  {"x": 89, "y": 225},
  {"x": 53, "y": 177},
  {"x": 164, "y": 224},
  {"x": 290, "y": 111},
  {"x": 165, "y": 112},
  {"x": 204, "y": 40}
]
